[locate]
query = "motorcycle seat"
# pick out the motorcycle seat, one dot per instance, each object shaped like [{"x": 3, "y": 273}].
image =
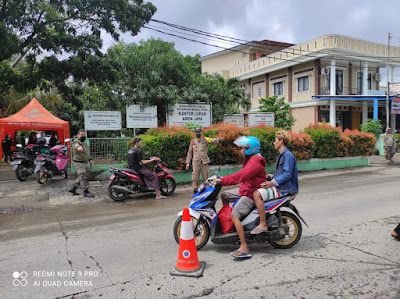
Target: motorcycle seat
[
  {"x": 129, "y": 170},
  {"x": 286, "y": 195}
]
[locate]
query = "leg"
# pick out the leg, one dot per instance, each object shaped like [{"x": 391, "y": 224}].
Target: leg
[
  {"x": 396, "y": 232},
  {"x": 195, "y": 175},
  {"x": 205, "y": 172},
  {"x": 261, "y": 211},
  {"x": 229, "y": 196},
  {"x": 239, "y": 228}
]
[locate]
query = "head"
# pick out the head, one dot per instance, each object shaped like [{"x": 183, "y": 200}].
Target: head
[
  {"x": 32, "y": 134},
  {"x": 198, "y": 131},
  {"x": 282, "y": 139},
  {"x": 388, "y": 130},
  {"x": 6, "y": 136},
  {"x": 81, "y": 135},
  {"x": 250, "y": 145},
  {"x": 137, "y": 142}
]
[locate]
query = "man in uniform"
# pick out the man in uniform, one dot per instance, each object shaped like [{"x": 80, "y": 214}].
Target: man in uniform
[
  {"x": 389, "y": 144},
  {"x": 6, "y": 148},
  {"x": 198, "y": 153},
  {"x": 81, "y": 157}
]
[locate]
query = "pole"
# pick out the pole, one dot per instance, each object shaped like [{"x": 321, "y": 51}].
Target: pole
[{"x": 387, "y": 81}]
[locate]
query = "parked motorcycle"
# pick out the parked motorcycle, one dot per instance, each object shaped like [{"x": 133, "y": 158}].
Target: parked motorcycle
[
  {"x": 23, "y": 162},
  {"x": 47, "y": 166},
  {"x": 125, "y": 181},
  {"x": 283, "y": 220}
]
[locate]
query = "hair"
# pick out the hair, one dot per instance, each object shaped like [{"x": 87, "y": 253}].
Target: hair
[
  {"x": 136, "y": 140},
  {"x": 81, "y": 130},
  {"x": 198, "y": 129},
  {"x": 283, "y": 135},
  {"x": 388, "y": 128}
]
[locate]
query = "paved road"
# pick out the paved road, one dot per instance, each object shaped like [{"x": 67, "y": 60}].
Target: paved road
[{"x": 126, "y": 250}]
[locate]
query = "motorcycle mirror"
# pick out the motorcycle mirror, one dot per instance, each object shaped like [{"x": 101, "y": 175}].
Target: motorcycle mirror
[{"x": 19, "y": 145}]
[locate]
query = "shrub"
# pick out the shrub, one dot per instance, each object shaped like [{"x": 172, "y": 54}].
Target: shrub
[
  {"x": 266, "y": 135},
  {"x": 372, "y": 126},
  {"x": 301, "y": 146},
  {"x": 345, "y": 147},
  {"x": 364, "y": 143},
  {"x": 326, "y": 139}
]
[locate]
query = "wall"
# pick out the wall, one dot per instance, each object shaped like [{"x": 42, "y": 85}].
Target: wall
[{"x": 304, "y": 117}]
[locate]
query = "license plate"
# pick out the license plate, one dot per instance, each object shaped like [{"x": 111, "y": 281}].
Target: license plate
[{"x": 112, "y": 177}]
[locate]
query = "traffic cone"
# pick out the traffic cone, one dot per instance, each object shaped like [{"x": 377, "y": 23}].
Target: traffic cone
[{"x": 188, "y": 263}]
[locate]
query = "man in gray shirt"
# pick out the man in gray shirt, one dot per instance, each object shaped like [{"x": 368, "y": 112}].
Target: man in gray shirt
[{"x": 389, "y": 144}]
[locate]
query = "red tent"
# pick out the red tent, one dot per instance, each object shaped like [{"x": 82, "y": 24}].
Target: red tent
[{"x": 33, "y": 117}]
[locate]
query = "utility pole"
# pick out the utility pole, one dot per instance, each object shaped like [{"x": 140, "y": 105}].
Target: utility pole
[{"x": 388, "y": 85}]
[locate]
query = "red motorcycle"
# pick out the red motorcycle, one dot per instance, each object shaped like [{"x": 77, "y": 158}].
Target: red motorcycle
[{"x": 125, "y": 181}]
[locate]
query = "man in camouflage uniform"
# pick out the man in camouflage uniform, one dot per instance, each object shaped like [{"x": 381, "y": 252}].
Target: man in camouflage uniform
[
  {"x": 389, "y": 144},
  {"x": 81, "y": 157},
  {"x": 197, "y": 153}
]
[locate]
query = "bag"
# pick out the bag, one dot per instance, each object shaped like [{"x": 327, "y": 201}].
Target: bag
[{"x": 224, "y": 216}]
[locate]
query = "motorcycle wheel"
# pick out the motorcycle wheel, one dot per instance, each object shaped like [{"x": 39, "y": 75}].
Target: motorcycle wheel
[
  {"x": 294, "y": 234},
  {"x": 201, "y": 235},
  {"x": 41, "y": 175},
  {"x": 21, "y": 173},
  {"x": 114, "y": 194},
  {"x": 167, "y": 186}
]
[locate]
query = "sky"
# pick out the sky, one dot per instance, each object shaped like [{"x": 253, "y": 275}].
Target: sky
[{"x": 291, "y": 21}]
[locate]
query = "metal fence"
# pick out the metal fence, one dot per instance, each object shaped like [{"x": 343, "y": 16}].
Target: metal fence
[{"x": 109, "y": 150}]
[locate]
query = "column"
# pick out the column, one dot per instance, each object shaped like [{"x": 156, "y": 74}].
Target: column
[
  {"x": 332, "y": 107},
  {"x": 364, "y": 93},
  {"x": 392, "y": 116}
]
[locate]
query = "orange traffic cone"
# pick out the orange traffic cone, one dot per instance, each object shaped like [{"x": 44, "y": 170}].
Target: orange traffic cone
[{"x": 188, "y": 263}]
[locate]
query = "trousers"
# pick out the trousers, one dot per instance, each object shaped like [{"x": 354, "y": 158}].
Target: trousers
[
  {"x": 82, "y": 178},
  {"x": 198, "y": 168}
]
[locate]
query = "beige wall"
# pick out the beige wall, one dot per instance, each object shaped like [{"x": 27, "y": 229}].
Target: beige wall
[
  {"x": 227, "y": 61},
  {"x": 304, "y": 117},
  {"x": 303, "y": 95},
  {"x": 272, "y": 81},
  {"x": 255, "y": 84}
]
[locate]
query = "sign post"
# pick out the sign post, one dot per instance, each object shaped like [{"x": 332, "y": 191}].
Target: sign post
[
  {"x": 235, "y": 119},
  {"x": 102, "y": 120},
  {"x": 267, "y": 118},
  {"x": 190, "y": 113},
  {"x": 138, "y": 116}
]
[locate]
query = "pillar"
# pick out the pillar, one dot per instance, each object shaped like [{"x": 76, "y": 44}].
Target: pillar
[
  {"x": 392, "y": 116},
  {"x": 364, "y": 93},
  {"x": 332, "y": 107}
]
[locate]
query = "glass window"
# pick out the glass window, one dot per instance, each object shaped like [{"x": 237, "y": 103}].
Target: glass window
[
  {"x": 278, "y": 88},
  {"x": 360, "y": 82},
  {"x": 303, "y": 83}
]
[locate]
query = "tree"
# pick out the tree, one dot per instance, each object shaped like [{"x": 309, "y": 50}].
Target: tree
[
  {"x": 67, "y": 33},
  {"x": 281, "y": 109},
  {"x": 373, "y": 126}
]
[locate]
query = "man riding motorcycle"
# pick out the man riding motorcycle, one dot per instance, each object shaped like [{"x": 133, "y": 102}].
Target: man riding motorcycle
[{"x": 252, "y": 175}]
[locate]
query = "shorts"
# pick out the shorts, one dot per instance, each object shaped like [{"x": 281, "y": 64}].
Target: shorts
[
  {"x": 243, "y": 206},
  {"x": 270, "y": 193}
]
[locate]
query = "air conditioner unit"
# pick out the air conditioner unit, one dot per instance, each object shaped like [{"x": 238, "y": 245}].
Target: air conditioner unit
[
  {"x": 325, "y": 71},
  {"x": 377, "y": 77}
]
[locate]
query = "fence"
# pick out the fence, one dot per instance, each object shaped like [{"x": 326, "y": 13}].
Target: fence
[{"x": 109, "y": 150}]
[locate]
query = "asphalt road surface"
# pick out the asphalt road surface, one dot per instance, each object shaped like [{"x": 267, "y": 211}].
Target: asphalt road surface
[{"x": 104, "y": 249}]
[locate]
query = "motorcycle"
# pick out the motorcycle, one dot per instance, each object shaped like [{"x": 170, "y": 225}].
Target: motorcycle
[
  {"x": 283, "y": 220},
  {"x": 47, "y": 166},
  {"x": 125, "y": 181},
  {"x": 24, "y": 162}
]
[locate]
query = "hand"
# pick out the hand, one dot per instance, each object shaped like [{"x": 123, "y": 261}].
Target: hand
[
  {"x": 215, "y": 181},
  {"x": 187, "y": 166},
  {"x": 91, "y": 162},
  {"x": 80, "y": 149},
  {"x": 267, "y": 184},
  {"x": 221, "y": 139}
]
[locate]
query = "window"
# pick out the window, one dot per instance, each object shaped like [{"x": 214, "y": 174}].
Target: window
[
  {"x": 303, "y": 83},
  {"x": 360, "y": 82},
  {"x": 278, "y": 88},
  {"x": 339, "y": 82}
]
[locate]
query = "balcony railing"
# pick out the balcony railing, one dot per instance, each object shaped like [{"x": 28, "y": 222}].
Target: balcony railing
[{"x": 339, "y": 91}]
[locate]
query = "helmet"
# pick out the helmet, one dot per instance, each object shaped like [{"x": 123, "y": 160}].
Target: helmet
[
  {"x": 251, "y": 143},
  {"x": 41, "y": 141}
]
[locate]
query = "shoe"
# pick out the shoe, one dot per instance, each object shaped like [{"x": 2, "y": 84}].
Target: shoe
[
  {"x": 161, "y": 197},
  {"x": 240, "y": 255},
  {"x": 86, "y": 193},
  {"x": 257, "y": 231},
  {"x": 73, "y": 191}
]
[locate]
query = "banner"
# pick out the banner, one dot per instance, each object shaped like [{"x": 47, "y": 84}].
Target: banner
[
  {"x": 394, "y": 89},
  {"x": 267, "y": 118},
  {"x": 102, "y": 120},
  {"x": 139, "y": 117},
  {"x": 396, "y": 106},
  {"x": 190, "y": 113},
  {"x": 235, "y": 119}
]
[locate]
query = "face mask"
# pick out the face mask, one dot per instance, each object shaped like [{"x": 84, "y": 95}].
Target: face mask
[
  {"x": 198, "y": 135},
  {"x": 83, "y": 138}
]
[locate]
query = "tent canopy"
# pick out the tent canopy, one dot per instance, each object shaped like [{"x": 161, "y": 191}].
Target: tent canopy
[{"x": 33, "y": 117}]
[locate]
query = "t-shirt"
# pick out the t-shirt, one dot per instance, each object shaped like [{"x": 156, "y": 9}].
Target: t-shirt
[{"x": 135, "y": 158}]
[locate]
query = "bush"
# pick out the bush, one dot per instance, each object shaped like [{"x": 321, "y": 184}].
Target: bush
[
  {"x": 326, "y": 139},
  {"x": 364, "y": 143},
  {"x": 345, "y": 146},
  {"x": 266, "y": 135},
  {"x": 372, "y": 126},
  {"x": 301, "y": 146}
]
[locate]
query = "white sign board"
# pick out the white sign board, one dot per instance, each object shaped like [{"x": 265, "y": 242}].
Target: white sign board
[
  {"x": 394, "y": 89},
  {"x": 235, "y": 119},
  {"x": 102, "y": 120},
  {"x": 267, "y": 118},
  {"x": 190, "y": 113},
  {"x": 138, "y": 116},
  {"x": 396, "y": 105}
]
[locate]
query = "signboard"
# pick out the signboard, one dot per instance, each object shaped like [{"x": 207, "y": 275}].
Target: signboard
[
  {"x": 190, "y": 113},
  {"x": 394, "y": 89},
  {"x": 267, "y": 118},
  {"x": 102, "y": 120},
  {"x": 235, "y": 119},
  {"x": 396, "y": 106},
  {"x": 138, "y": 116}
]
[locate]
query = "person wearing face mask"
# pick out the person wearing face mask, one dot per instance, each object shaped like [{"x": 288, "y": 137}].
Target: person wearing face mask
[
  {"x": 136, "y": 162},
  {"x": 197, "y": 153},
  {"x": 81, "y": 157}
]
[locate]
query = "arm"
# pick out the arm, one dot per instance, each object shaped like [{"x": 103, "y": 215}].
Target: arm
[
  {"x": 189, "y": 155},
  {"x": 214, "y": 140},
  {"x": 245, "y": 174},
  {"x": 287, "y": 171}
]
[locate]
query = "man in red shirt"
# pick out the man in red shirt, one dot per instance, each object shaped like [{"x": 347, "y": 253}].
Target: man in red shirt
[{"x": 251, "y": 176}]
